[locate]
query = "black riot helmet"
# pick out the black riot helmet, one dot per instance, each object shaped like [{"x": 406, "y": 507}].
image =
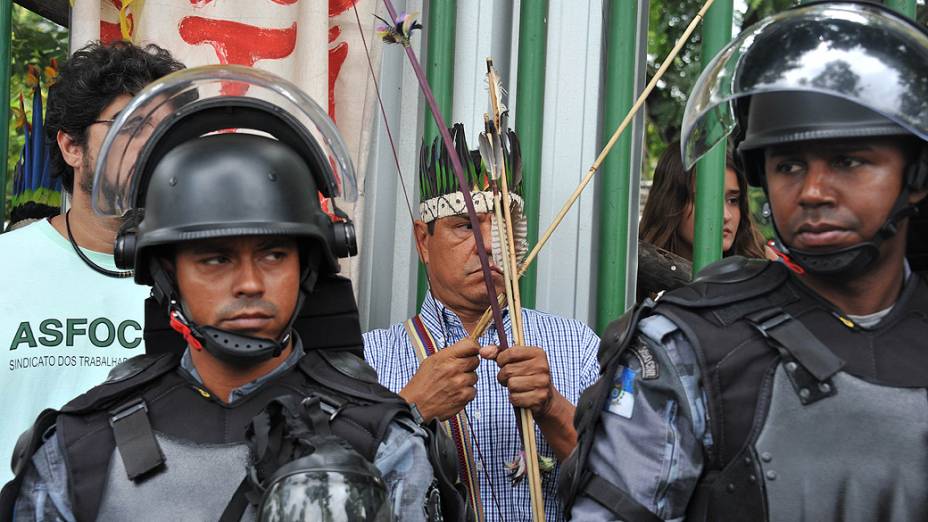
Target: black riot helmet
[
  {"x": 193, "y": 158},
  {"x": 823, "y": 70}
]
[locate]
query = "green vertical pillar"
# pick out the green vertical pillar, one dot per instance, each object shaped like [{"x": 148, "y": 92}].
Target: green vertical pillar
[
  {"x": 6, "y": 32},
  {"x": 906, "y": 7},
  {"x": 710, "y": 171},
  {"x": 530, "y": 90},
  {"x": 439, "y": 70},
  {"x": 613, "y": 194}
]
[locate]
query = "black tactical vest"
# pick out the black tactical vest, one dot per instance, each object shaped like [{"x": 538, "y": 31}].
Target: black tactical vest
[
  {"x": 811, "y": 416},
  {"x": 151, "y": 394}
]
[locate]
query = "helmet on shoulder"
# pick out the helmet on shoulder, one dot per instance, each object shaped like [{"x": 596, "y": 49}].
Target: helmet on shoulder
[
  {"x": 224, "y": 151},
  {"x": 823, "y": 70}
]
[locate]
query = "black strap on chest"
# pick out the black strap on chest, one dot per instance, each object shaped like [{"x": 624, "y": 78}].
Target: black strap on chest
[
  {"x": 809, "y": 364},
  {"x": 135, "y": 439},
  {"x": 620, "y": 503}
]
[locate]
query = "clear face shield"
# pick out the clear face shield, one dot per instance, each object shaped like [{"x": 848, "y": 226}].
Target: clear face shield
[
  {"x": 857, "y": 52},
  {"x": 150, "y": 116}
]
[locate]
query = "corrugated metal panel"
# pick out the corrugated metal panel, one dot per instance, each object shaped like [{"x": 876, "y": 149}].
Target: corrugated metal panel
[
  {"x": 572, "y": 92},
  {"x": 484, "y": 29},
  {"x": 387, "y": 278}
]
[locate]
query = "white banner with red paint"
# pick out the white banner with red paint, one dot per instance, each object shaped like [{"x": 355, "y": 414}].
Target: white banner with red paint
[{"x": 313, "y": 43}]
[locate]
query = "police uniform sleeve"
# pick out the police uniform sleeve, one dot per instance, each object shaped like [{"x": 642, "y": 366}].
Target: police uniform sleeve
[
  {"x": 649, "y": 441},
  {"x": 44, "y": 495},
  {"x": 403, "y": 461}
]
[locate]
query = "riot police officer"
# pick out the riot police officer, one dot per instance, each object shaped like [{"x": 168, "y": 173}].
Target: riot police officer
[
  {"x": 793, "y": 390},
  {"x": 253, "y": 416}
]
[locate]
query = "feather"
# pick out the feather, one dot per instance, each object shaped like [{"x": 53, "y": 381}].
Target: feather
[
  {"x": 489, "y": 158},
  {"x": 407, "y": 23},
  {"x": 516, "y": 468},
  {"x": 32, "y": 76},
  {"x": 51, "y": 72},
  {"x": 514, "y": 152},
  {"x": 400, "y": 30},
  {"x": 20, "y": 114}
]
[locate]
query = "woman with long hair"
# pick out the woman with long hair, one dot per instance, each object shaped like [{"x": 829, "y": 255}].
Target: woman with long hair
[
  {"x": 668, "y": 217},
  {"x": 667, "y": 223}
]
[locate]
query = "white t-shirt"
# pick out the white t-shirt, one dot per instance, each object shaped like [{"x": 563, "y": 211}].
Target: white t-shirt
[{"x": 62, "y": 327}]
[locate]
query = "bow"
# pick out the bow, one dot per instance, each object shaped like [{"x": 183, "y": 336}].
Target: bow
[{"x": 400, "y": 32}]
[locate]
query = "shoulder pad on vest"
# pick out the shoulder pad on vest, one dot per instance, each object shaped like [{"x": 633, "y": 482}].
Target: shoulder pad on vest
[
  {"x": 27, "y": 445},
  {"x": 33, "y": 438},
  {"x": 346, "y": 376},
  {"x": 130, "y": 368},
  {"x": 351, "y": 365},
  {"x": 728, "y": 281},
  {"x": 123, "y": 379}
]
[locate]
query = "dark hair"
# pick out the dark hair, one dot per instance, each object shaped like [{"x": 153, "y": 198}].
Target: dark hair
[
  {"x": 672, "y": 193},
  {"x": 90, "y": 80}
]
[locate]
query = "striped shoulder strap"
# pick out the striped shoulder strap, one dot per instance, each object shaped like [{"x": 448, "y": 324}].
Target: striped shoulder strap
[{"x": 456, "y": 427}]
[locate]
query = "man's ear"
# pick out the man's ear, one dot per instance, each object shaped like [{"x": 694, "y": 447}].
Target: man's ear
[
  {"x": 421, "y": 231},
  {"x": 71, "y": 151}
]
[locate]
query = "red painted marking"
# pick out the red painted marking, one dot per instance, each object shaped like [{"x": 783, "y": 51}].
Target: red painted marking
[
  {"x": 337, "y": 7},
  {"x": 337, "y": 56},
  {"x": 110, "y": 32},
  {"x": 238, "y": 43}
]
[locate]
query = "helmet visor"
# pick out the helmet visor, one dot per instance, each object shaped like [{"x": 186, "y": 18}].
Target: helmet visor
[
  {"x": 326, "y": 497},
  {"x": 860, "y": 53},
  {"x": 161, "y": 104}
]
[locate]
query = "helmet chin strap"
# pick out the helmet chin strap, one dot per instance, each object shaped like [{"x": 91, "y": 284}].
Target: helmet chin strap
[
  {"x": 230, "y": 347},
  {"x": 856, "y": 259}
]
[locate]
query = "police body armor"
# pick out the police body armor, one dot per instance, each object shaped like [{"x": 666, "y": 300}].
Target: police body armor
[
  {"x": 141, "y": 422},
  {"x": 811, "y": 416},
  {"x": 151, "y": 427}
]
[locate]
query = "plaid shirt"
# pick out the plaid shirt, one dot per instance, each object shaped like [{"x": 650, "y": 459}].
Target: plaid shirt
[{"x": 571, "y": 348}]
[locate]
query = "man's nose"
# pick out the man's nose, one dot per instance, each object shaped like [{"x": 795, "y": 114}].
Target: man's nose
[
  {"x": 817, "y": 189},
  {"x": 249, "y": 279}
]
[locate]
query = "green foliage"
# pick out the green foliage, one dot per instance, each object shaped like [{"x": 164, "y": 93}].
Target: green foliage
[{"x": 35, "y": 41}]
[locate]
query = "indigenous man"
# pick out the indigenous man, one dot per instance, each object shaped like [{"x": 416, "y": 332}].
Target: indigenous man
[
  {"x": 432, "y": 361},
  {"x": 232, "y": 241},
  {"x": 795, "y": 390},
  {"x": 67, "y": 316}
]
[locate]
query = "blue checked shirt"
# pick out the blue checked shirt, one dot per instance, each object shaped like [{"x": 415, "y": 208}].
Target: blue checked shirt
[{"x": 571, "y": 348}]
